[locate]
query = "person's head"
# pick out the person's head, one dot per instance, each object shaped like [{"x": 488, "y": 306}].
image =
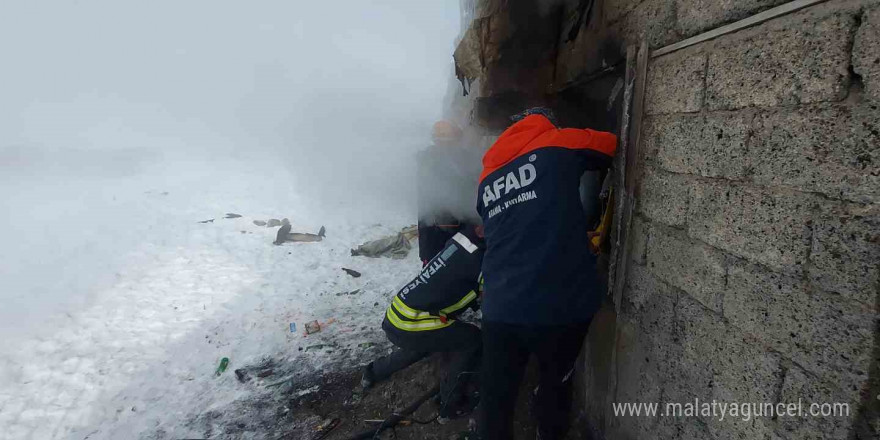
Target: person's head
[
  {"x": 475, "y": 234},
  {"x": 478, "y": 230},
  {"x": 543, "y": 111},
  {"x": 446, "y": 133}
]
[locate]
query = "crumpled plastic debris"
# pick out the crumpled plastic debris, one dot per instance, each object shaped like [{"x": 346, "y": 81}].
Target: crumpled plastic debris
[{"x": 395, "y": 246}]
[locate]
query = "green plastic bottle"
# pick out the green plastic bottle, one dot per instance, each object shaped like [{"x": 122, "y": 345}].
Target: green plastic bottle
[{"x": 222, "y": 367}]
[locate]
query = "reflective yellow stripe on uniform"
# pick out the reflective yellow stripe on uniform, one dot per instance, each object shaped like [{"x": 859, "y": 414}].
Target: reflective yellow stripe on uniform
[
  {"x": 417, "y": 320},
  {"x": 462, "y": 303},
  {"x": 416, "y": 326},
  {"x": 409, "y": 312}
]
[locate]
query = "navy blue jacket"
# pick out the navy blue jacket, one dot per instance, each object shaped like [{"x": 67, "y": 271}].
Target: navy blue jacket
[
  {"x": 446, "y": 287},
  {"x": 538, "y": 269}
]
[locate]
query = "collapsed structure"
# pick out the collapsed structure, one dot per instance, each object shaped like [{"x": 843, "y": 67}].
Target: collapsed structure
[{"x": 743, "y": 260}]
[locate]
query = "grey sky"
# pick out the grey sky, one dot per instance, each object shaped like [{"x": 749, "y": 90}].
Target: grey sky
[{"x": 219, "y": 75}]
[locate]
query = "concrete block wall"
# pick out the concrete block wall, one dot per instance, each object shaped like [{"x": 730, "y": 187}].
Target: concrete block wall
[
  {"x": 616, "y": 23},
  {"x": 755, "y": 271}
]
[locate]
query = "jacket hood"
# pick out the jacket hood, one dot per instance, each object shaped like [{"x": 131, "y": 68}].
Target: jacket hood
[{"x": 515, "y": 139}]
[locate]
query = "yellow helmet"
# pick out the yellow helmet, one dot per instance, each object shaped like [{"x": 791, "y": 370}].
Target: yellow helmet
[{"x": 445, "y": 132}]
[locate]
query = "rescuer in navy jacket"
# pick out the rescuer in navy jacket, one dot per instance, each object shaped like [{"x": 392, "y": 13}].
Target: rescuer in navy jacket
[{"x": 541, "y": 285}]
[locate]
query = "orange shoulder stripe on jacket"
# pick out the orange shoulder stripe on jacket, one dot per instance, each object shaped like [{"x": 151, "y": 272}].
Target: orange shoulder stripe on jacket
[{"x": 536, "y": 132}]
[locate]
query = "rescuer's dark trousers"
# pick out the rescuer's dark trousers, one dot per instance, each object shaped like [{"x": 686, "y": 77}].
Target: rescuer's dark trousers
[
  {"x": 461, "y": 339},
  {"x": 506, "y": 350}
]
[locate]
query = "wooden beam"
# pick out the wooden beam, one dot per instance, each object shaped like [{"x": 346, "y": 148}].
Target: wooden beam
[
  {"x": 631, "y": 166},
  {"x": 619, "y": 168},
  {"x": 625, "y": 168}
]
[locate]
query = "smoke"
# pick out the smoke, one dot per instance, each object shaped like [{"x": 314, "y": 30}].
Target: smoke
[
  {"x": 103, "y": 100},
  {"x": 343, "y": 93}
]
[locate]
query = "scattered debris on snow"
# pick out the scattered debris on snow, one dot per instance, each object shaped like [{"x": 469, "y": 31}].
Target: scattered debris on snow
[
  {"x": 307, "y": 391},
  {"x": 184, "y": 297},
  {"x": 244, "y": 374},
  {"x": 303, "y": 237},
  {"x": 353, "y": 292},
  {"x": 394, "y": 246},
  {"x": 284, "y": 235},
  {"x": 281, "y": 237},
  {"x": 312, "y": 327},
  {"x": 352, "y": 272}
]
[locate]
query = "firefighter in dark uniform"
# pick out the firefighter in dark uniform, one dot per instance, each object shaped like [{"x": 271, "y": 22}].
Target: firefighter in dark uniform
[
  {"x": 447, "y": 175},
  {"x": 541, "y": 283},
  {"x": 422, "y": 319}
]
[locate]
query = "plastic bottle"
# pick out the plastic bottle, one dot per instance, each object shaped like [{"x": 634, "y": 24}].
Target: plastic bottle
[{"x": 222, "y": 367}]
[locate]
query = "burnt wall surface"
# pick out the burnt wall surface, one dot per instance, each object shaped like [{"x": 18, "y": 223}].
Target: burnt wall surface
[
  {"x": 601, "y": 37},
  {"x": 755, "y": 259}
]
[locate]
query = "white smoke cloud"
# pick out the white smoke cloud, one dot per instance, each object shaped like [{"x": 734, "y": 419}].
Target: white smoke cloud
[
  {"x": 344, "y": 91},
  {"x": 337, "y": 94}
]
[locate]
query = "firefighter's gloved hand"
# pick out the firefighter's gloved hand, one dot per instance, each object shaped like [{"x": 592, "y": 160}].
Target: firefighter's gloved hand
[{"x": 594, "y": 239}]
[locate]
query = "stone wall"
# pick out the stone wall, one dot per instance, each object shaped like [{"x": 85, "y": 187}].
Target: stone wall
[
  {"x": 755, "y": 268},
  {"x": 755, "y": 248}
]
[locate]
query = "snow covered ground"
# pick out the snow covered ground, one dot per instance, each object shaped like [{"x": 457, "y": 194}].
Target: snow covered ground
[{"x": 118, "y": 305}]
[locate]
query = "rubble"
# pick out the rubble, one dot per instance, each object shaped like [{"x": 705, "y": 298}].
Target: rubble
[
  {"x": 296, "y": 406},
  {"x": 312, "y": 327}
]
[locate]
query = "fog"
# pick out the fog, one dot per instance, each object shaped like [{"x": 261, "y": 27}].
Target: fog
[
  {"x": 342, "y": 91},
  {"x": 103, "y": 101}
]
